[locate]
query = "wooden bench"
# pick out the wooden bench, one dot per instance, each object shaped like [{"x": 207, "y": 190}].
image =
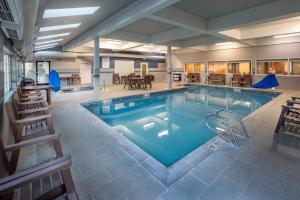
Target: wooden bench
[{"x": 216, "y": 78}]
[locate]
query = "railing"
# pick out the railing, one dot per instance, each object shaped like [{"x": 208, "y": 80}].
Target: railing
[{"x": 230, "y": 134}]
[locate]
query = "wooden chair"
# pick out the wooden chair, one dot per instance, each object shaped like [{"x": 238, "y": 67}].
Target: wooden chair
[
  {"x": 116, "y": 78},
  {"x": 129, "y": 82},
  {"x": 246, "y": 80},
  {"x": 49, "y": 180},
  {"x": 147, "y": 81},
  {"x": 236, "y": 80},
  {"x": 19, "y": 126}
]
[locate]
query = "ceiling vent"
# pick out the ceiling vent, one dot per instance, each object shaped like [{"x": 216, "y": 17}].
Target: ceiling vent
[{"x": 11, "y": 18}]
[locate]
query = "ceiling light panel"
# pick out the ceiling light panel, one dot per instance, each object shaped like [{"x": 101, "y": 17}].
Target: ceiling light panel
[
  {"x": 49, "y": 41},
  {"x": 52, "y": 36},
  {"x": 223, "y": 43},
  {"x": 52, "y": 44},
  {"x": 59, "y": 27},
  {"x": 66, "y": 12}
]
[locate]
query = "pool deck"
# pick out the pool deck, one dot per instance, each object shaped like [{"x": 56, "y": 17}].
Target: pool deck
[{"x": 104, "y": 169}]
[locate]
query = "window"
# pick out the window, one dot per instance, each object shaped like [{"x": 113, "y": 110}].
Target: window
[
  {"x": 217, "y": 67},
  {"x": 295, "y": 67},
  {"x": 30, "y": 71},
  {"x": 7, "y": 73},
  {"x": 239, "y": 67},
  {"x": 194, "y": 67},
  {"x": 275, "y": 66},
  {"x": 14, "y": 73}
]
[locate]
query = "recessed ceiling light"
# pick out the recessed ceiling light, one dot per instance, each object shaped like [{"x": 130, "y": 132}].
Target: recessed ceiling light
[
  {"x": 53, "y": 44},
  {"x": 49, "y": 41},
  {"x": 287, "y": 35},
  {"x": 223, "y": 43},
  {"x": 59, "y": 27},
  {"x": 65, "y": 12},
  {"x": 52, "y": 36}
]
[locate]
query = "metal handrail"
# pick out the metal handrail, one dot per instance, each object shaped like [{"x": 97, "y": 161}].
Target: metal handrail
[
  {"x": 227, "y": 123},
  {"x": 236, "y": 117}
]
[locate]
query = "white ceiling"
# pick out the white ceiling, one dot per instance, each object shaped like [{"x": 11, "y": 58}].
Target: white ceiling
[{"x": 181, "y": 23}]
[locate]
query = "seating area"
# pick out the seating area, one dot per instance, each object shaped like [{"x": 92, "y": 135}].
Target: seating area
[
  {"x": 32, "y": 124},
  {"x": 135, "y": 82}
]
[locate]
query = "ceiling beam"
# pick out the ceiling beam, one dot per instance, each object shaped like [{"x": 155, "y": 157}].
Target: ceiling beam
[
  {"x": 130, "y": 14},
  {"x": 170, "y": 35},
  {"x": 180, "y": 18},
  {"x": 259, "y": 14},
  {"x": 203, "y": 41},
  {"x": 128, "y": 36}
]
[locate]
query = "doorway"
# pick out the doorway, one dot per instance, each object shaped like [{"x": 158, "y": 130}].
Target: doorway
[
  {"x": 144, "y": 69},
  {"x": 42, "y": 72}
]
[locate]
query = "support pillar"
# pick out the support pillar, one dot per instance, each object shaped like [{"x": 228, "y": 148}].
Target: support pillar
[
  {"x": 169, "y": 67},
  {"x": 96, "y": 57},
  {"x": 96, "y": 79}
]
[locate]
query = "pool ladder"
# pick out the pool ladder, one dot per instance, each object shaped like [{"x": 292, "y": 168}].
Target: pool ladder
[{"x": 232, "y": 133}]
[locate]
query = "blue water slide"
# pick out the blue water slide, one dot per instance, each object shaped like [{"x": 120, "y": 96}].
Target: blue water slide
[
  {"x": 54, "y": 80},
  {"x": 269, "y": 81}
]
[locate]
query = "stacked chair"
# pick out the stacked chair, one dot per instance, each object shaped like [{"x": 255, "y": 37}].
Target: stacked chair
[
  {"x": 287, "y": 131},
  {"x": 31, "y": 124}
]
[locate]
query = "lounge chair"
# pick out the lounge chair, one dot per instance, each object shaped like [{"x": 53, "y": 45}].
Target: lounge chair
[
  {"x": 236, "y": 80},
  {"x": 49, "y": 180},
  {"x": 246, "y": 80},
  {"x": 289, "y": 121}
]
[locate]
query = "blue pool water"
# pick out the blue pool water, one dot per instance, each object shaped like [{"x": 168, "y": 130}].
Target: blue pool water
[{"x": 169, "y": 125}]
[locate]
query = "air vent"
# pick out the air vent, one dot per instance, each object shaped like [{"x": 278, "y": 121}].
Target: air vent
[
  {"x": 5, "y": 12},
  {"x": 12, "y": 33}
]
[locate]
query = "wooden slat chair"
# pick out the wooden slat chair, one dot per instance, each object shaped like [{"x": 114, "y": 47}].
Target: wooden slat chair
[
  {"x": 147, "y": 81},
  {"x": 289, "y": 121},
  {"x": 29, "y": 105},
  {"x": 19, "y": 125},
  {"x": 246, "y": 80},
  {"x": 236, "y": 80},
  {"x": 25, "y": 94},
  {"x": 116, "y": 78},
  {"x": 49, "y": 180}
]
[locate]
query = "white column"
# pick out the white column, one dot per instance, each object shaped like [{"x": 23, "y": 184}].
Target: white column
[
  {"x": 96, "y": 57},
  {"x": 169, "y": 67},
  {"x": 96, "y": 79}
]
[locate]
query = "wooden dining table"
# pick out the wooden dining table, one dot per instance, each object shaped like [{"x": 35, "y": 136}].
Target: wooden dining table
[{"x": 40, "y": 87}]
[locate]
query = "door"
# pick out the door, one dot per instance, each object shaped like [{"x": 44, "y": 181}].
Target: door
[
  {"x": 144, "y": 69},
  {"x": 42, "y": 72}
]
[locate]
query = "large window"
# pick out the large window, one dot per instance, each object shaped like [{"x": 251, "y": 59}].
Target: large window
[
  {"x": 194, "y": 67},
  {"x": 295, "y": 67},
  {"x": 243, "y": 67},
  {"x": 7, "y": 73},
  {"x": 217, "y": 67},
  {"x": 273, "y": 66},
  {"x": 30, "y": 71}
]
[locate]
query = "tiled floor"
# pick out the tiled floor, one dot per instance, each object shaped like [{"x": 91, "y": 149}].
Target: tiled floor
[{"x": 102, "y": 169}]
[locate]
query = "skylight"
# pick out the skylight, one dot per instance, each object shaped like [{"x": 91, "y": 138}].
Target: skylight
[
  {"x": 65, "y": 12},
  {"x": 42, "y": 46},
  {"x": 52, "y": 36},
  {"x": 49, "y": 41},
  {"x": 59, "y": 27}
]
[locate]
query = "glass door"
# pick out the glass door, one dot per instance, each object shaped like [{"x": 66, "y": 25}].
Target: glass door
[{"x": 42, "y": 72}]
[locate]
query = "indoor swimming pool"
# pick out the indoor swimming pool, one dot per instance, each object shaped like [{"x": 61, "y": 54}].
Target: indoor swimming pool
[{"x": 169, "y": 125}]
